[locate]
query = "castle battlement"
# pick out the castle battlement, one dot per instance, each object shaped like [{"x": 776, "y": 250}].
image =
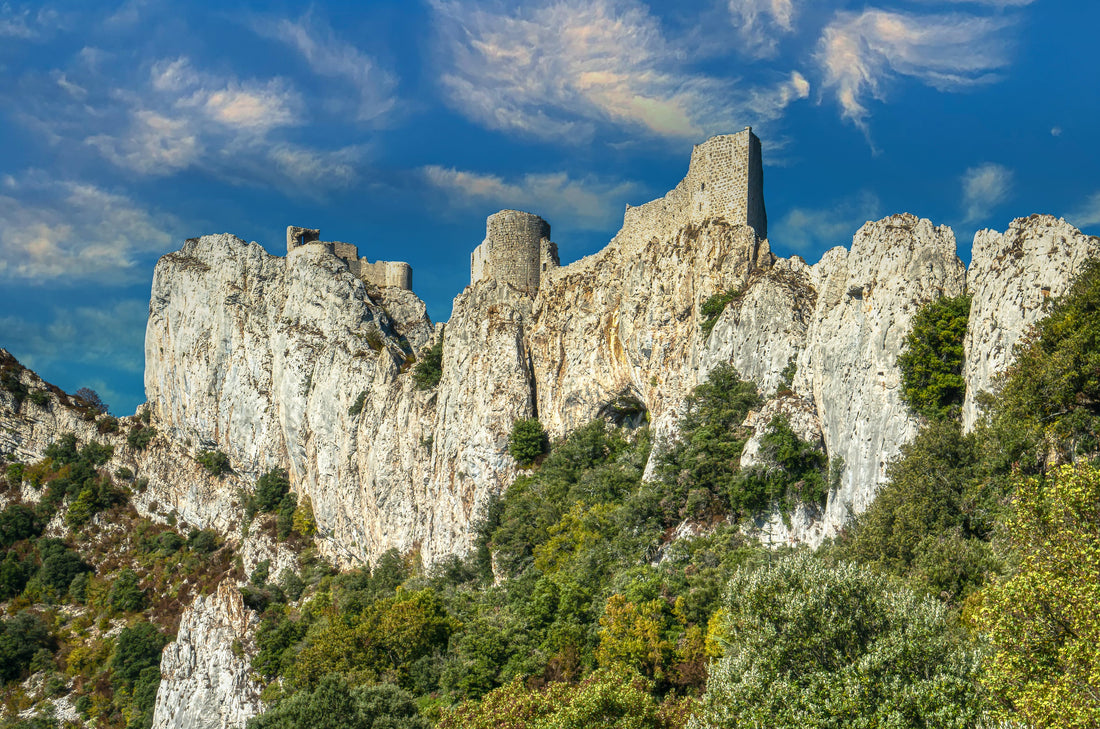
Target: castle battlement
[
  {"x": 517, "y": 249},
  {"x": 379, "y": 273}
]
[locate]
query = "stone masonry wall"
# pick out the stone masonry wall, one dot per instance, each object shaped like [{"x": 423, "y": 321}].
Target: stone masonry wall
[
  {"x": 725, "y": 179},
  {"x": 516, "y": 248}
]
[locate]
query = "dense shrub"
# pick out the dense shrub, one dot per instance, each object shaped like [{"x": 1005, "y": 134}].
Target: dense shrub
[
  {"x": 333, "y": 705},
  {"x": 528, "y": 441},
  {"x": 139, "y": 437},
  {"x": 808, "y": 645},
  {"x": 429, "y": 368},
  {"x": 60, "y": 565},
  {"x": 21, "y": 638},
  {"x": 216, "y": 463},
  {"x": 792, "y": 472},
  {"x": 932, "y": 358},
  {"x": 17, "y": 522},
  {"x": 126, "y": 595},
  {"x": 271, "y": 488}
]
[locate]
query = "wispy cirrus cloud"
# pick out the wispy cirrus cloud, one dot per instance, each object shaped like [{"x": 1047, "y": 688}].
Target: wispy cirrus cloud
[
  {"x": 859, "y": 53},
  {"x": 759, "y": 24},
  {"x": 808, "y": 230},
  {"x": 1087, "y": 214},
  {"x": 62, "y": 231},
  {"x": 985, "y": 187},
  {"x": 562, "y": 70},
  {"x": 585, "y": 203},
  {"x": 329, "y": 56}
]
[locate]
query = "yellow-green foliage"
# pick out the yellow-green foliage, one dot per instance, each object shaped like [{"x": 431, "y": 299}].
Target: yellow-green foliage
[{"x": 1042, "y": 620}]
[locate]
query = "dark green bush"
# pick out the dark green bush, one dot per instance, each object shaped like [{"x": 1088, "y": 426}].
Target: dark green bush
[
  {"x": 137, "y": 648},
  {"x": 106, "y": 424},
  {"x": 932, "y": 358},
  {"x": 357, "y": 407},
  {"x": 203, "y": 541},
  {"x": 528, "y": 441},
  {"x": 41, "y": 398},
  {"x": 17, "y": 522},
  {"x": 216, "y": 463},
  {"x": 270, "y": 489},
  {"x": 139, "y": 437},
  {"x": 21, "y": 638},
  {"x": 126, "y": 595},
  {"x": 60, "y": 565},
  {"x": 713, "y": 307},
  {"x": 429, "y": 368}
]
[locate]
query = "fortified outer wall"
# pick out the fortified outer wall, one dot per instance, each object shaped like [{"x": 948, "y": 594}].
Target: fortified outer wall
[
  {"x": 725, "y": 179},
  {"x": 379, "y": 273},
  {"x": 516, "y": 250}
]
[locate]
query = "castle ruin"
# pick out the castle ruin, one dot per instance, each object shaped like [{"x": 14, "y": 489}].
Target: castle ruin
[
  {"x": 725, "y": 180},
  {"x": 379, "y": 273},
  {"x": 517, "y": 250}
]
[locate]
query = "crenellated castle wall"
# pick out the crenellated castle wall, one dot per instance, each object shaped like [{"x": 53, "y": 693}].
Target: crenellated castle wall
[{"x": 379, "y": 273}]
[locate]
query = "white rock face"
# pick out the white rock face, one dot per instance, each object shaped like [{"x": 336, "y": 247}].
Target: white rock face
[
  {"x": 1012, "y": 276},
  {"x": 205, "y": 673},
  {"x": 866, "y": 299}
]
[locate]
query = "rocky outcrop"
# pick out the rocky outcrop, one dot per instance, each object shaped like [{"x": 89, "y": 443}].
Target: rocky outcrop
[
  {"x": 866, "y": 299},
  {"x": 1012, "y": 276},
  {"x": 206, "y": 673}
]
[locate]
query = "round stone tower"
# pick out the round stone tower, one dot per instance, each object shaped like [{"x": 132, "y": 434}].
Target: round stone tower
[{"x": 514, "y": 242}]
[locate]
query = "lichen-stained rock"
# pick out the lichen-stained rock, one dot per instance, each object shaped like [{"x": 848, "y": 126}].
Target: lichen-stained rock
[
  {"x": 866, "y": 299},
  {"x": 1012, "y": 276},
  {"x": 206, "y": 672}
]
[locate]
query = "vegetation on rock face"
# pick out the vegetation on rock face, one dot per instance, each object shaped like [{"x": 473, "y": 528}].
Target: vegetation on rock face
[
  {"x": 216, "y": 463},
  {"x": 93, "y": 602},
  {"x": 429, "y": 368},
  {"x": 932, "y": 358},
  {"x": 528, "y": 441},
  {"x": 713, "y": 307}
]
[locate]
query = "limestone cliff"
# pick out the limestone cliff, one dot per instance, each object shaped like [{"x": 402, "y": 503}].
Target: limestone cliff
[{"x": 206, "y": 673}]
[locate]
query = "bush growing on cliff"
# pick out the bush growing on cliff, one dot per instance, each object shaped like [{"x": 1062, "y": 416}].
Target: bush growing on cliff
[
  {"x": 932, "y": 358},
  {"x": 713, "y": 307},
  {"x": 429, "y": 368},
  {"x": 271, "y": 488},
  {"x": 139, "y": 437},
  {"x": 528, "y": 441},
  {"x": 216, "y": 463}
]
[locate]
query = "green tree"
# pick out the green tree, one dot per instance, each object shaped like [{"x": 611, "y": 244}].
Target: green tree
[
  {"x": 932, "y": 358},
  {"x": 1041, "y": 619},
  {"x": 808, "y": 645},
  {"x": 137, "y": 648},
  {"x": 20, "y": 638},
  {"x": 216, "y": 463},
  {"x": 333, "y": 705},
  {"x": 528, "y": 441},
  {"x": 126, "y": 594}
]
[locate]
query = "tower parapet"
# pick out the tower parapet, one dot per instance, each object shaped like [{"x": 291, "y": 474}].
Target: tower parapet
[
  {"x": 379, "y": 273},
  {"x": 517, "y": 249}
]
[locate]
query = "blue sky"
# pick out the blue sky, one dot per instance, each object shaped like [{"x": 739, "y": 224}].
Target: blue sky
[{"x": 399, "y": 126}]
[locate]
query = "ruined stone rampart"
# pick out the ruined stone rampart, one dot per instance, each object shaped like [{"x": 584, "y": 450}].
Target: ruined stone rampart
[
  {"x": 725, "y": 180},
  {"x": 517, "y": 249},
  {"x": 379, "y": 273}
]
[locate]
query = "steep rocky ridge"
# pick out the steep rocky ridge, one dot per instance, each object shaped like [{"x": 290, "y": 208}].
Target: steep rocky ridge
[{"x": 1012, "y": 276}]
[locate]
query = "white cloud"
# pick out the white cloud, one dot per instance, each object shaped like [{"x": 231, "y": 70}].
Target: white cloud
[
  {"x": 759, "y": 22},
  {"x": 63, "y": 231},
  {"x": 859, "y": 52},
  {"x": 153, "y": 144},
  {"x": 809, "y": 230},
  {"x": 587, "y": 203},
  {"x": 561, "y": 69},
  {"x": 329, "y": 56},
  {"x": 1088, "y": 214},
  {"x": 984, "y": 187}
]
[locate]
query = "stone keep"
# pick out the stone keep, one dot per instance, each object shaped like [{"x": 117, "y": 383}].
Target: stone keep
[
  {"x": 379, "y": 273},
  {"x": 725, "y": 180},
  {"x": 517, "y": 250}
]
